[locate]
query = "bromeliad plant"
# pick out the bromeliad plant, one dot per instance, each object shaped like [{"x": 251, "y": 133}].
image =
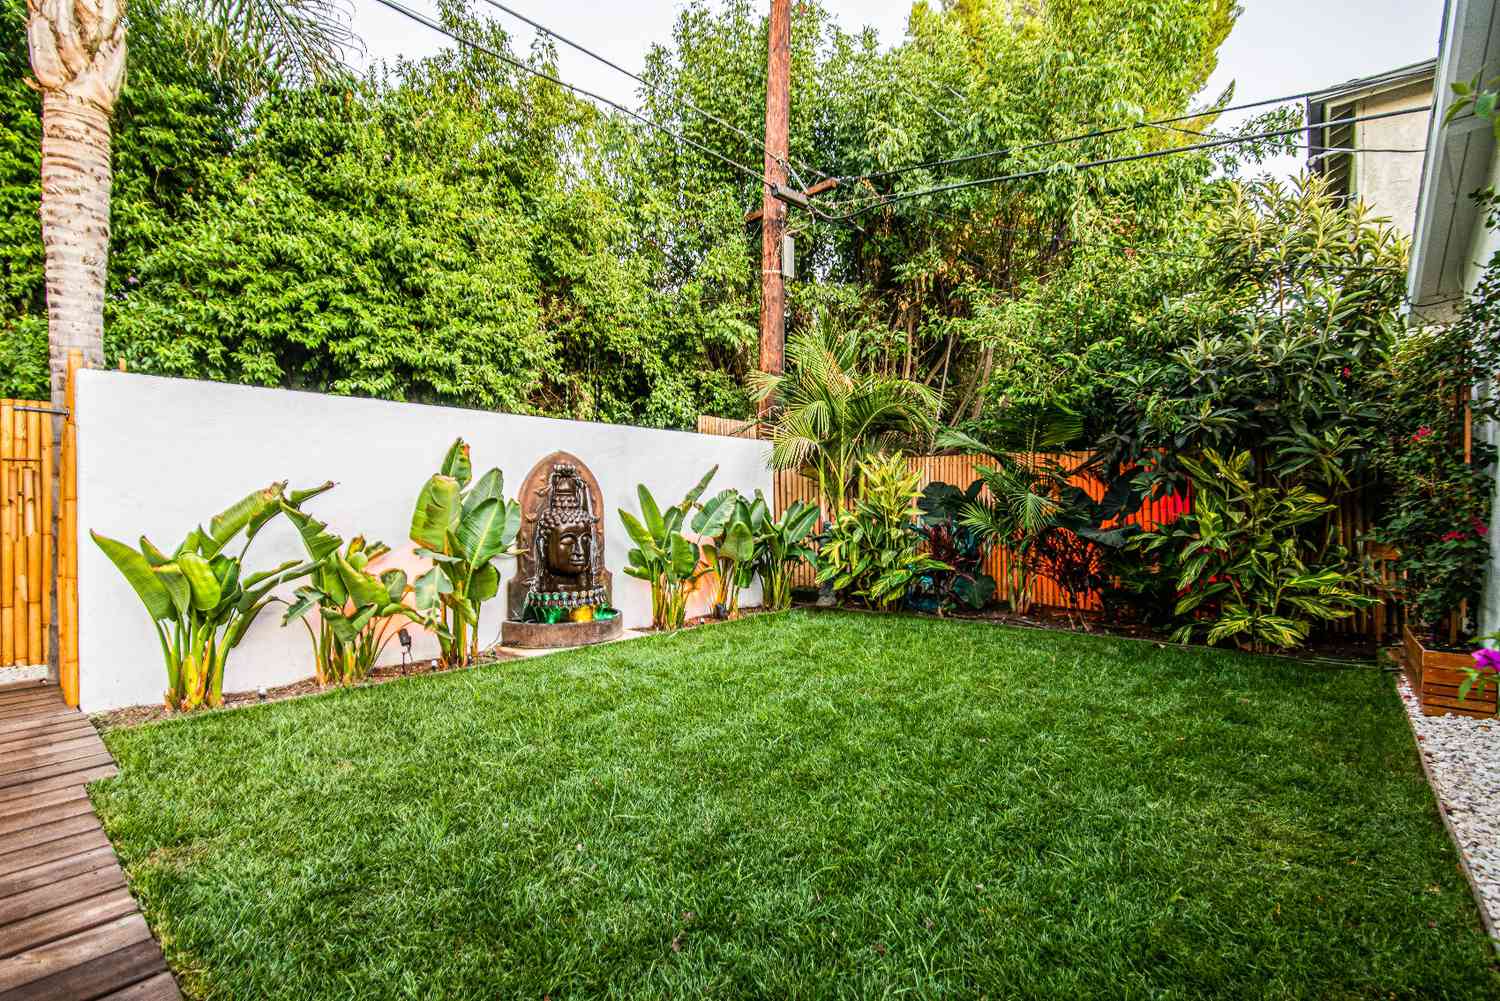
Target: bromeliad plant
[
  {"x": 871, "y": 550},
  {"x": 199, "y": 598},
  {"x": 726, "y": 525},
  {"x": 1240, "y": 561},
  {"x": 358, "y": 613},
  {"x": 463, "y": 529},
  {"x": 780, "y": 546},
  {"x": 663, "y": 556}
]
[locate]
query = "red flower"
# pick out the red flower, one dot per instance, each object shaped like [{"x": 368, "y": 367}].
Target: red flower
[
  {"x": 1347, "y": 373},
  {"x": 1455, "y": 536},
  {"x": 1422, "y": 432},
  {"x": 1480, "y": 528}
]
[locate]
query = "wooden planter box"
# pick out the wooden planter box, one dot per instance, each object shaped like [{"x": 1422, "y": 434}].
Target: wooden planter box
[{"x": 1435, "y": 676}]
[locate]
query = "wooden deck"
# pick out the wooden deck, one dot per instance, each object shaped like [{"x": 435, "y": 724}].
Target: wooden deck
[{"x": 69, "y": 928}]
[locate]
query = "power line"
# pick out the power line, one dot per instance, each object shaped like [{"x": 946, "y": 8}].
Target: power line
[
  {"x": 1095, "y": 134},
  {"x": 1109, "y": 161},
  {"x": 654, "y": 89},
  {"x": 518, "y": 64}
]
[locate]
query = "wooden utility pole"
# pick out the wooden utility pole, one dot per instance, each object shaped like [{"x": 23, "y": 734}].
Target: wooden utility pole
[{"x": 773, "y": 209}]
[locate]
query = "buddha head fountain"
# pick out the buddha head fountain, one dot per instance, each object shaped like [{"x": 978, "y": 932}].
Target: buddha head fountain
[{"x": 560, "y": 595}]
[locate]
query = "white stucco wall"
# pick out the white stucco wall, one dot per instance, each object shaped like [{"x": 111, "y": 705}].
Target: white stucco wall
[
  {"x": 1391, "y": 182},
  {"x": 159, "y": 456}
]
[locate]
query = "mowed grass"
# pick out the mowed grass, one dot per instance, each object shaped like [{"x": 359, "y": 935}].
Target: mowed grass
[{"x": 805, "y": 806}]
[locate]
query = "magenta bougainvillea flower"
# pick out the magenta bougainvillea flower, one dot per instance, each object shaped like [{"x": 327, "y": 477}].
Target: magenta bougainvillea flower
[
  {"x": 1486, "y": 659},
  {"x": 1455, "y": 536},
  {"x": 1480, "y": 528},
  {"x": 1422, "y": 432}
]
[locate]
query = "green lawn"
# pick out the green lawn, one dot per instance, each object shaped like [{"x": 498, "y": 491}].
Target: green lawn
[{"x": 807, "y": 805}]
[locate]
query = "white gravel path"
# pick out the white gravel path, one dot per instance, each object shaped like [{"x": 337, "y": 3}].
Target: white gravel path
[{"x": 1463, "y": 757}]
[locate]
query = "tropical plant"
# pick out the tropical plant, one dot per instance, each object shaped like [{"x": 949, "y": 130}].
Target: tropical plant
[
  {"x": 78, "y": 58},
  {"x": 872, "y": 550},
  {"x": 663, "y": 556},
  {"x": 1240, "y": 561},
  {"x": 463, "y": 529},
  {"x": 726, "y": 526},
  {"x": 829, "y": 413},
  {"x": 199, "y": 598},
  {"x": 1438, "y": 473},
  {"x": 358, "y": 612},
  {"x": 781, "y": 544},
  {"x": 956, "y": 544}
]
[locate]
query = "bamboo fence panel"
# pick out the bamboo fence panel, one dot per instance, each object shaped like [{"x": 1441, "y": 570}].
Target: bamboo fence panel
[
  {"x": 727, "y": 427},
  {"x": 26, "y": 533}
]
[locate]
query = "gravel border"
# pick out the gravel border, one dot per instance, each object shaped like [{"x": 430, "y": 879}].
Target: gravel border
[{"x": 1461, "y": 756}]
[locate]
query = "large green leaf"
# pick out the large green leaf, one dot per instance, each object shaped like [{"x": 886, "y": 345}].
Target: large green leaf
[
  {"x": 716, "y": 513},
  {"x": 490, "y": 485},
  {"x": 364, "y": 588},
  {"x": 437, "y": 508},
  {"x": 201, "y": 579},
  {"x": 697, "y": 491},
  {"x": 430, "y": 588},
  {"x": 178, "y": 589},
  {"x": 485, "y": 583},
  {"x": 308, "y": 598},
  {"x": 395, "y": 584},
  {"x": 638, "y": 533},
  {"x": 228, "y": 523},
  {"x": 482, "y": 531},
  {"x": 739, "y": 543},
  {"x": 651, "y": 515},
  {"x": 684, "y": 558},
  {"x": 456, "y": 463},
  {"x": 138, "y": 573},
  {"x": 316, "y": 538}
]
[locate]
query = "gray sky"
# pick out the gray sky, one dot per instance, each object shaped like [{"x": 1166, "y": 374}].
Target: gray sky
[{"x": 1278, "y": 46}]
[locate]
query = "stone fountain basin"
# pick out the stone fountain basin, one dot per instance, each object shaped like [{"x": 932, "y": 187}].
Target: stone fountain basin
[{"x": 556, "y": 635}]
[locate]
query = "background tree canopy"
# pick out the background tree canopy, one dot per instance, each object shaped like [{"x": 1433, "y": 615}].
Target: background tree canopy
[{"x": 455, "y": 231}]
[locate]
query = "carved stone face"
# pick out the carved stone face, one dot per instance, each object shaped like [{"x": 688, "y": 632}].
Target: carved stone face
[{"x": 568, "y": 549}]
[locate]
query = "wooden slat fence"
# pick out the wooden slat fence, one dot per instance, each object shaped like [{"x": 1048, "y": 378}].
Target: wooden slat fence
[
  {"x": 26, "y": 534},
  {"x": 1381, "y": 623}
]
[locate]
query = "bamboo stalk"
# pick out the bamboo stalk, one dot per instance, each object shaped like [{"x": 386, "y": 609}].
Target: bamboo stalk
[
  {"x": 36, "y": 580},
  {"x": 67, "y": 585},
  {"x": 49, "y": 530},
  {"x": 18, "y": 537},
  {"x": 7, "y": 534}
]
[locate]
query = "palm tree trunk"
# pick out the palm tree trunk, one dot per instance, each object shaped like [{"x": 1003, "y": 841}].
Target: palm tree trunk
[{"x": 76, "y": 182}]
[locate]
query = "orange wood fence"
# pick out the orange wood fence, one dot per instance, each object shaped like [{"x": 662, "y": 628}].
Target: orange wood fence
[{"x": 1381, "y": 623}]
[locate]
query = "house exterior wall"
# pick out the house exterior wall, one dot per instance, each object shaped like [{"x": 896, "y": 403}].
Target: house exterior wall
[
  {"x": 1391, "y": 182},
  {"x": 160, "y": 456}
]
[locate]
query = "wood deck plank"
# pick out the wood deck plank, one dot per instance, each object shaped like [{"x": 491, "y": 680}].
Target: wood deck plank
[
  {"x": 71, "y": 721},
  {"x": 46, "y": 797},
  {"x": 158, "y": 988},
  {"x": 47, "y": 873},
  {"x": 45, "y": 771},
  {"x": 27, "y": 739},
  {"x": 33, "y": 836},
  {"x": 45, "y": 961},
  {"x": 51, "y": 851},
  {"x": 62, "y": 780},
  {"x": 68, "y": 919},
  {"x": 62, "y": 750},
  {"x": 30, "y": 722},
  {"x": 58, "y": 894},
  {"x": 45, "y": 815}
]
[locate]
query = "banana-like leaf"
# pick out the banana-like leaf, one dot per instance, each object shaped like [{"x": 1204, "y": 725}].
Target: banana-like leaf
[
  {"x": 638, "y": 533},
  {"x": 178, "y": 589},
  {"x": 739, "y": 543},
  {"x": 684, "y": 558},
  {"x": 716, "y": 513},
  {"x": 316, "y": 539},
  {"x": 363, "y": 588},
  {"x": 456, "y": 463},
  {"x": 348, "y": 628},
  {"x": 650, "y": 514},
  {"x": 138, "y": 573},
  {"x": 485, "y": 583},
  {"x": 481, "y": 531},
  {"x": 430, "y": 588},
  {"x": 200, "y": 577},
  {"x": 394, "y": 582},
  {"x": 153, "y": 555},
  {"x": 308, "y": 598},
  {"x": 227, "y": 523},
  {"x": 437, "y": 508},
  {"x": 490, "y": 485},
  {"x": 697, "y": 491},
  {"x": 299, "y": 497}
]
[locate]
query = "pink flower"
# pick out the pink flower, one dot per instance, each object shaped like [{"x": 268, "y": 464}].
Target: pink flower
[
  {"x": 1347, "y": 373},
  {"x": 1480, "y": 528},
  {"x": 1486, "y": 659},
  {"x": 1455, "y": 536},
  {"x": 1422, "y": 432}
]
